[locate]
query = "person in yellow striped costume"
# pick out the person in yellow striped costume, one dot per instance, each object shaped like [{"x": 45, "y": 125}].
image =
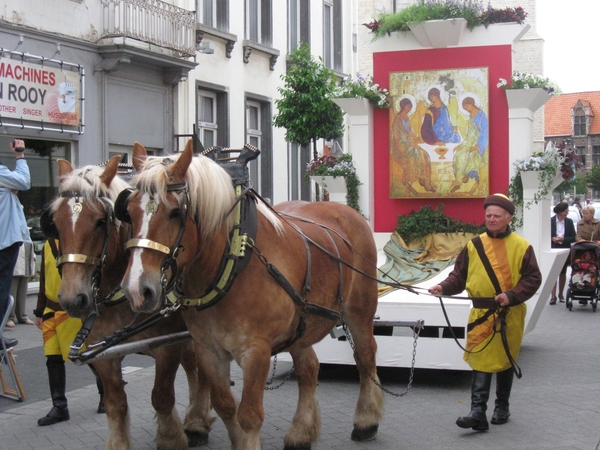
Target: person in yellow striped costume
[
  {"x": 59, "y": 330},
  {"x": 500, "y": 272}
]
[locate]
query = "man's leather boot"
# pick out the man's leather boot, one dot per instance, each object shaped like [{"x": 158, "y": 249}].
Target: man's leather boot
[
  {"x": 58, "y": 382},
  {"x": 480, "y": 393},
  {"x": 503, "y": 387}
]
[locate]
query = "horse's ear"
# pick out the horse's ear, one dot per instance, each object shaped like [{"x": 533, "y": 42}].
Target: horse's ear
[
  {"x": 139, "y": 156},
  {"x": 111, "y": 170},
  {"x": 180, "y": 167},
  {"x": 64, "y": 167}
]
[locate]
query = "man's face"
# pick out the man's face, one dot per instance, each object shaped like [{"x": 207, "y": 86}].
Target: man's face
[{"x": 496, "y": 219}]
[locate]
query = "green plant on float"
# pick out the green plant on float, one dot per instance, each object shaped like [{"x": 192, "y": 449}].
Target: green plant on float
[
  {"x": 473, "y": 11},
  {"x": 417, "y": 225}
]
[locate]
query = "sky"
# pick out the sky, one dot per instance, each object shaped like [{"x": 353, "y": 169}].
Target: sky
[{"x": 572, "y": 43}]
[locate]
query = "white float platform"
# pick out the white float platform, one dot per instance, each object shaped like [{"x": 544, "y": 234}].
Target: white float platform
[{"x": 436, "y": 348}]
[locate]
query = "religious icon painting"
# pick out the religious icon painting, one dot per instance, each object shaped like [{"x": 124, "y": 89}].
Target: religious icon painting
[{"x": 439, "y": 136}]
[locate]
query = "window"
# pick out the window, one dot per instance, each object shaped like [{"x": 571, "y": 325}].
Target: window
[
  {"x": 582, "y": 154},
  {"x": 259, "y": 21},
  {"x": 214, "y": 13},
  {"x": 258, "y": 134},
  {"x": 595, "y": 155},
  {"x": 579, "y": 124},
  {"x": 207, "y": 118},
  {"x": 41, "y": 156},
  {"x": 298, "y": 23},
  {"x": 212, "y": 115},
  {"x": 298, "y": 158},
  {"x": 332, "y": 37}
]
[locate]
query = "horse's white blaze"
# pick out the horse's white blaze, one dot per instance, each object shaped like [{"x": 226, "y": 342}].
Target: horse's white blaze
[
  {"x": 137, "y": 268},
  {"x": 74, "y": 212}
]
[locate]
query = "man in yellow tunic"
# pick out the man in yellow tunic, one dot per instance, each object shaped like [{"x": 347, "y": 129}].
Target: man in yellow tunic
[
  {"x": 500, "y": 266},
  {"x": 59, "y": 330}
]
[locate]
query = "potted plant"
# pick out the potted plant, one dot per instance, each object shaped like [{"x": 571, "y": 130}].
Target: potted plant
[
  {"x": 332, "y": 166},
  {"x": 362, "y": 87},
  {"x": 471, "y": 11},
  {"x": 526, "y": 90},
  {"x": 529, "y": 81},
  {"x": 543, "y": 169}
]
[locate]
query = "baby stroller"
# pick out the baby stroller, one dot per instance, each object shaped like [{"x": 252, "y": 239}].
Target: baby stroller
[{"x": 583, "y": 285}]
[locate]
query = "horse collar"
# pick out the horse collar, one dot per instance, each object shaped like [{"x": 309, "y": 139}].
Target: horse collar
[{"x": 234, "y": 260}]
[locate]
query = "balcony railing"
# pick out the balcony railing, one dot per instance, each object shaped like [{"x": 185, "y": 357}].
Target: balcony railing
[{"x": 152, "y": 21}]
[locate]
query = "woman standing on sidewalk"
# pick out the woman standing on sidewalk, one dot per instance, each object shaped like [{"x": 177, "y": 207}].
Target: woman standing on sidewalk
[{"x": 562, "y": 232}]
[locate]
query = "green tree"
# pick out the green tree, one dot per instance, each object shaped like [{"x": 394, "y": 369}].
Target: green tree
[
  {"x": 305, "y": 109},
  {"x": 577, "y": 184},
  {"x": 593, "y": 178}
]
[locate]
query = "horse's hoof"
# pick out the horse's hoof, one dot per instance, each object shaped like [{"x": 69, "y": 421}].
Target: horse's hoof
[
  {"x": 364, "y": 434},
  {"x": 196, "y": 439},
  {"x": 306, "y": 446}
]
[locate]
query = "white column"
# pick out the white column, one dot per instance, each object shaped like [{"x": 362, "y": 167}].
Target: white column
[
  {"x": 360, "y": 145},
  {"x": 522, "y": 104}
]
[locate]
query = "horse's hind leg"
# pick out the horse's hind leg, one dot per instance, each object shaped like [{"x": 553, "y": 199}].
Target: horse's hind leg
[
  {"x": 115, "y": 401},
  {"x": 169, "y": 434},
  {"x": 198, "y": 421},
  {"x": 307, "y": 420},
  {"x": 369, "y": 407}
]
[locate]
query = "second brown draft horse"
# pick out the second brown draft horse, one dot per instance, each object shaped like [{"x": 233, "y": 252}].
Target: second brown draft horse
[
  {"x": 189, "y": 236},
  {"x": 92, "y": 263}
]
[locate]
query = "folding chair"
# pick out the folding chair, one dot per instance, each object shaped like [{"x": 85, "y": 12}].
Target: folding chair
[{"x": 6, "y": 357}]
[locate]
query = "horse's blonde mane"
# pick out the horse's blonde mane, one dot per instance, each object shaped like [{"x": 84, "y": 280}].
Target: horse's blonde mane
[
  {"x": 86, "y": 182},
  {"x": 210, "y": 189}
]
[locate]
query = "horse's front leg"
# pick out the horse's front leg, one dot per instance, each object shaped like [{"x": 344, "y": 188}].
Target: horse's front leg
[
  {"x": 254, "y": 362},
  {"x": 218, "y": 372},
  {"x": 307, "y": 420},
  {"x": 169, "y": 434},
  {"x": 115, "y": 402},
  {"x": 198, "y": 420}
]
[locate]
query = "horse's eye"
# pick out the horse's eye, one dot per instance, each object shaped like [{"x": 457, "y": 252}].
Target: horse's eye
[
  {"x": 175, "y": 214},
  {"x": 101, "y": 223}
]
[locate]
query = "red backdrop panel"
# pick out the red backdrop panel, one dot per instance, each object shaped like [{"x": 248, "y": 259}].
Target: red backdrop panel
[{"x": 499, "y": 63}]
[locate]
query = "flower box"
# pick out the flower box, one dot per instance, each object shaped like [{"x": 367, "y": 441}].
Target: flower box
[
  {"x": 439, "y": 33},
  {"x": 333, "y": 185},
  {"x": 495, "y": 34},
  {"x": 531, "y": 99},
  {"x": 354, "y": 106}
]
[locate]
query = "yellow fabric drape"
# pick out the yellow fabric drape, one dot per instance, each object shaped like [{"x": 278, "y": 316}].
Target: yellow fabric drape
[{"x": 421, "y": 259}]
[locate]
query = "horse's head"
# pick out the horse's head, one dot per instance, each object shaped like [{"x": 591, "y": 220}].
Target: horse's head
[
  {"x": 178, "y": 202},
  {"x": 82, "y": 219}
]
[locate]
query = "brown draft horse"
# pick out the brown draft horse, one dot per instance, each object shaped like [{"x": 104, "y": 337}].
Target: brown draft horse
[
  {"x": 182, "y": 208},
  {"x": 84, "y": 221}
]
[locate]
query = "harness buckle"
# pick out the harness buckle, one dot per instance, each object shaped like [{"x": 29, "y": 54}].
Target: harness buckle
[{"x": 238, "y": 245}]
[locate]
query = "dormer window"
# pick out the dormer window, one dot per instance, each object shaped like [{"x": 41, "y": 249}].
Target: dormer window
[
  {"x": 580, "y": 115},
  {"x": 579, "y": 123}
]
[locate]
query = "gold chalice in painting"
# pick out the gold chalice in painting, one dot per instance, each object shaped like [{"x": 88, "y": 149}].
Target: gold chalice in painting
[{"x": 441, "y": 151}]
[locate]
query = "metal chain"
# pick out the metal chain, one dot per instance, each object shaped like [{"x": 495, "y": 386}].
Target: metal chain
[
  {"x": 288, "y": 376},
  {"x": 416, "y": 333},
  {"x": 170, "y": 309}
]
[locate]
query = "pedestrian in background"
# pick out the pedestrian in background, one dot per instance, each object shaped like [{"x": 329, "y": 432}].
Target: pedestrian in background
[
  {"x": 24, "y": 270},
  {"x": 59, "y": 331},
  {"x": 13, "y": 226},
  {"x": 562, "y": 232},
  {"x": 500, "y": 272},
  {"x": 588, "y": 228}
]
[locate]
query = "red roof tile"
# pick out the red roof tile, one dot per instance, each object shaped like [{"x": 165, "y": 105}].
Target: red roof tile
[{"x": 557, "y": 113}]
